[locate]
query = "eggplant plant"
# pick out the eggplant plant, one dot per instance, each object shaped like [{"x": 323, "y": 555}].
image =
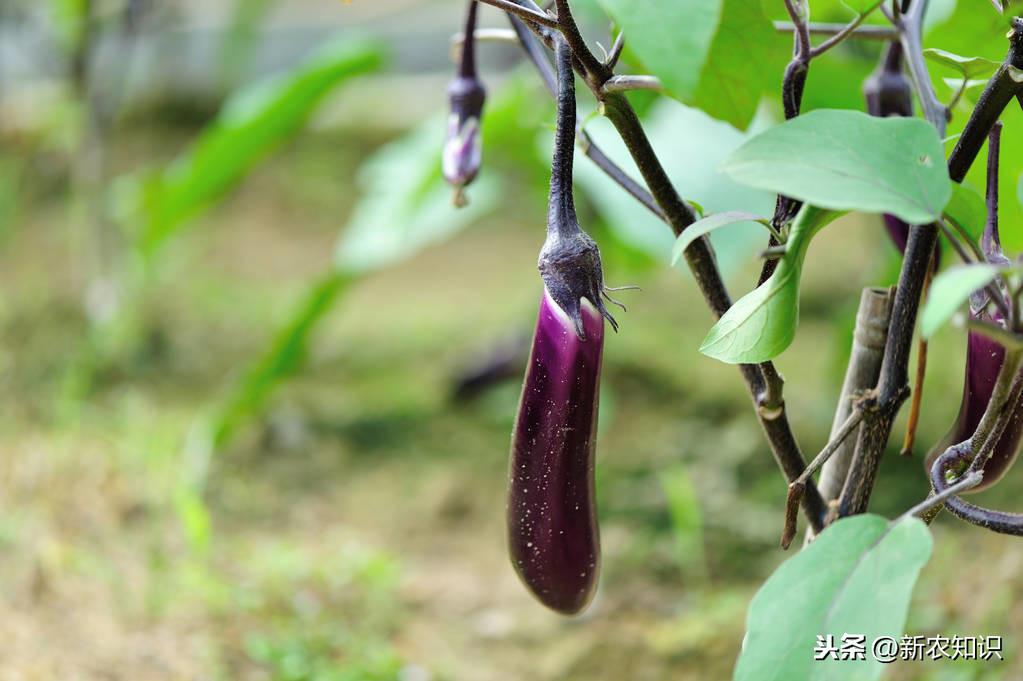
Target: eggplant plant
[{"x": 722, "y": 57}]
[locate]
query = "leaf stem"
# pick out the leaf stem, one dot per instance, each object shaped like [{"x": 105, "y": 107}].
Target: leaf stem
[
  {"x": 529, "y": 15},
  {"x": 860, "y": 32}
]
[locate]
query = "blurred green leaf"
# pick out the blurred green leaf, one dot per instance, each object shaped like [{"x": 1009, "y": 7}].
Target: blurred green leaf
[
  {"x": 950, "y": 290},
  {"x": 847, "y": 160},
  {"x": 252, "y": 123},
  {"x": 686, "y": 518},
  {"x": 762, "y": 324},
  {"x": 967, "y": 209},
  {"x": 717, "y": 55},
  {"x": 862, "y": 6},
  {"x": 284, "y": 357},
  {"x": 856, "y": 578},
  {"x": 969, "y": 67},
  {"x": 706, "y": 226},
  {"x": 692, "y": 160},
  {"x": 745, "y": 58},
  {"x": 406, "y": 204},
  {"x": 672, "y": 39},
  {"x": 195, "y": 519}
]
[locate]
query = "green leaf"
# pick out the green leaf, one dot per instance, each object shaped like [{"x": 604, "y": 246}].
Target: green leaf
[
  {"x": 744, "y": 61},
  {"x": 717, "y": 55},
  {"x": 967, "y": 209},
  {"x": 847, "y": 160},
  {"x": 950, "y": 290},
  {"x": 252, "y": 124},
  {"x": 692, "y": 161},
  {"x": 862, "y": 6},
  {"x": 406, "y": 204},
  {"x": 856, "y": 578},
  {"x": 671, "y": 39},
  {"x": 285, "y": 355},
  {"x": 762, "y": 324},
  {"x": 706, "y": 226},
  {"x": 969, "y": 67}
]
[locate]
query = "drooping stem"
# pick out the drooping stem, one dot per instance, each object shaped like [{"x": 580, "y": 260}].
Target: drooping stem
[
  {"x": 991, "y": 241},
  {"x": 467, "y": 67},
  {"x": 561, "y": 216},
  {"x": 536, "y": 52}
]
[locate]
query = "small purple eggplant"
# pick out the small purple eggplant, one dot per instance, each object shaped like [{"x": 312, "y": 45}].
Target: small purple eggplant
[
  {"x": 552, "y": 520},
  {"x": 463, "y": 148},
  {"x": 984, "y": 356},
  {"x": 889, "y": 93}
]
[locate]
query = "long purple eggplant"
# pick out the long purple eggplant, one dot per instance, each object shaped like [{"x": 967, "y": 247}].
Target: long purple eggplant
[
  {"x": 552, "y": 520},
  {"x": 552, "y": 523}
]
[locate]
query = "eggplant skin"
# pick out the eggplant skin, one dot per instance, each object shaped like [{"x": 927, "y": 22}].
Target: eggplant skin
[
  {"x": 552, "y": 525},
  {"x": 984, "y": 358}
]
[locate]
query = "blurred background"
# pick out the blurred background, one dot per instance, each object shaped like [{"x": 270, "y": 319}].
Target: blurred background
[{"x": 258, "y": 376}]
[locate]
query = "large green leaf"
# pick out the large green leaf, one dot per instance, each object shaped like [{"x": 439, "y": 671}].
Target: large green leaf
[
  {"x": 672, "y": 39},
  {"x": 950, "y": 290},
  {"x": 251, "y": 125},
  {"x": 717, "y": 55},
  {"x": 745, "y": 59},
  {"x": 847, "y": 160},
  {"x": 762, "y": 324},
  {"x": 856, "y": 578},
  {"x": 692, "y": 161}
]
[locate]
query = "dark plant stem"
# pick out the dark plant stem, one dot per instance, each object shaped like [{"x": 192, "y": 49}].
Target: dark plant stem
[
  {"x": 532, "y": 16},
  {"x": 893, "y": 386},
  {"x": 536, "y": 52},
  {"x": 974, "y": 454},
  {"x": 999, "y": 92},
  {"x": 680, "y": 215},
  {"x": 594, "y": 70},
  {"x": 467, "y": 66}
]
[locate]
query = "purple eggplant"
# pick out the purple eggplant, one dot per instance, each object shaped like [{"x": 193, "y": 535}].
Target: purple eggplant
[
  {"x": 889, "y": 93},
  {"x": 463, "y": 148},
  {"x": 551, "y": 513},
  {"x": 552, "y": 524},
  {"x": 984, "y": 356}
]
